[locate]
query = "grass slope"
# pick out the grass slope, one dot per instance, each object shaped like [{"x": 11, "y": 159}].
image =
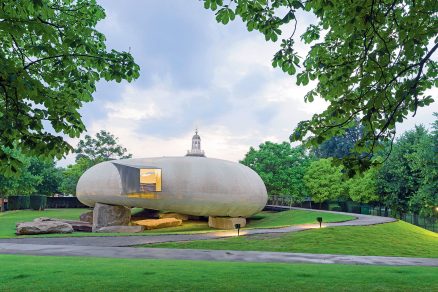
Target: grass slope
[
  {"x": 32, "y": 273},
  {"x": 261, "y": 220},
  {"x": 391, "y": 239},
  {"x": 293, "y": 217}
]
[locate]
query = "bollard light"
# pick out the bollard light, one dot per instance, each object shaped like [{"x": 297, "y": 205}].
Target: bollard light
[
  {"x": 237, "y": 226},
  {"x": 319, "y": 219}
]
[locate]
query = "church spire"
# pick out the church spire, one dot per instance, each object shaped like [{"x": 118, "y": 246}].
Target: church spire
[{"x": 196, "y": 146}]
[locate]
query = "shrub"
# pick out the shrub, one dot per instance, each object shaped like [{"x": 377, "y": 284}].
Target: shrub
[
  {"x": 38, "y": 202},
  {"x": 18, "y": 202}
]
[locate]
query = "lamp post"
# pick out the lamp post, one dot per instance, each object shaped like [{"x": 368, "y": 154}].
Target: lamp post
[
  {"x": 319, "y": 219},
  {"x": 237, "y": 226}
]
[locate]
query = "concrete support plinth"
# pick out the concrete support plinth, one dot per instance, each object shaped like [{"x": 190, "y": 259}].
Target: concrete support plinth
[
  {"x": 109, "y": 215},
  {"x": 226, "y": 222}
]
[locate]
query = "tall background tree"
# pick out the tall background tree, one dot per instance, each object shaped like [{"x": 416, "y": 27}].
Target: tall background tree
[
  {"x": 51, "y": 57},
  {"x": 281, "y": 167},
  {"x": 324, "y": 181},
  {"x": 103, "y": 147},
  {"x": 373, "y": 61}
]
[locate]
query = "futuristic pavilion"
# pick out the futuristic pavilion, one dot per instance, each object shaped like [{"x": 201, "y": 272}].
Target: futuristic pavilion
[{"x": 191, "y": 185}]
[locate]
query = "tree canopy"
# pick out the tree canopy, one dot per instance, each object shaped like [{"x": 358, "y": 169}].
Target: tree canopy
[
  {"x": 372, "y": 60},
  {"x": 281, "y": 167},
  {"x": 51, "y": 57},
  {"x": 103, "y": 147},
  {"x": 324, "y": 180}
]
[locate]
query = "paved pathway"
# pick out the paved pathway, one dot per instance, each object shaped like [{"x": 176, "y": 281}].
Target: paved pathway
[
  {"x": 210, "y": 255},
  {"x": 117, "y": 247},
  {"x": 138, "y": 239}
]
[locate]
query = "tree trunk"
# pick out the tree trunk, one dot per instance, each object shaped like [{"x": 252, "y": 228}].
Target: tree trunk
[{"x": 2, "y": 205}]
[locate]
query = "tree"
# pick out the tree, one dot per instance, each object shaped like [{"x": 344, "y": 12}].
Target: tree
[
  {"x": 71, "y": 175},
  {"x": 101, "y": 148},
  {"x": 51, "y": 57},
  {"x": 424, "y": 160},
  {"x": 91, "y": 151},
  {"x": 324, "y": 180},
  {"x": 399, "y": 179},
  {"x": 373, "y": 61},
  {"x": 50, "y": 175},
  {"x": 363, "y": 187},
  {"x": 23, "y": 184},
  {"x": 281, "y": 168},
  {"x": 340, "y": 146}
]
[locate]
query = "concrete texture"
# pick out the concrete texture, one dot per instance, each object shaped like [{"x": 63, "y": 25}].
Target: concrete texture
[
  {"x": 196, "y": 186},
  {"x": 120, "y": 229},
  {"x": 225, "y": 222},
  {"x": 210, "y": 255}
]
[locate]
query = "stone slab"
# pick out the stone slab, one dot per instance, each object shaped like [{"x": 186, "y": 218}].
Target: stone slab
[
  {"x": 120, "y": 229},
  {"x": 43, "y": 227},
  {"x": 77, "y": 225},
  {"x": 109, "y": 215},
  {"x": 225, "y": 222},
  {"x": 158, "y": 223},
  {"x": 182, "y": 217}
]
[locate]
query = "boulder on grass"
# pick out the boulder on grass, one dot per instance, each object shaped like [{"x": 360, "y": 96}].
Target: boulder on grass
[
  {"x": 158, "y": 223},
  {"x": 77, "y": 225},
  {"x": 120, "y": 229},
  {"x": 109, "y": 215},
  {"x": 43, "y": 227},
  {"x": 86, "y": 217}
]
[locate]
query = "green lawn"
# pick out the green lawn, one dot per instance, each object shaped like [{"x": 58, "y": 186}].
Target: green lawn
[
  {"x": 293, "y": 217},
  {"x": 9, "y": 219},
  {"x": 391, "y": 239},
  {"x": 44, "y": 273}
]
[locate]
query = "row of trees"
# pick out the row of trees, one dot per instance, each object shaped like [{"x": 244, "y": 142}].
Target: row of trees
[
  {"x": 405, "y": 181},
  {"x": 42, "y": 176}
]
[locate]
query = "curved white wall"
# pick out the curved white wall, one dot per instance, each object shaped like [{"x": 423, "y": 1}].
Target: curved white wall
[{"x": 190, "y": 185}]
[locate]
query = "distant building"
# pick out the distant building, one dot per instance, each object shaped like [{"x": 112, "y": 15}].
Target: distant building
[{"x": 196, "y": 146}]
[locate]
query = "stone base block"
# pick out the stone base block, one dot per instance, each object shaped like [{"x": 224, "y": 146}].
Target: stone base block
[
  {"x": 182, "y": 217},
  {"x": 226, "y": 222},
  {"x": 109, "y": 215},
  {"x": 158, "y": 223},
  {"x": 119, "y": 229},
  {"x": 86, "y": 217}
]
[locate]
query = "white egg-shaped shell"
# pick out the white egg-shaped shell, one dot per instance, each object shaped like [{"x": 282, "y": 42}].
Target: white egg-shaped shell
[{"x": 190, "y": 185}]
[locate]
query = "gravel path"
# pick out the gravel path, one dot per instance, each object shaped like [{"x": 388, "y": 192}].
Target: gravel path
[{"x": 209, "y": 255}]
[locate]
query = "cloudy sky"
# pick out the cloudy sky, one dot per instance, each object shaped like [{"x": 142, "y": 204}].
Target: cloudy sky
[{"x": 196, "y": 73}]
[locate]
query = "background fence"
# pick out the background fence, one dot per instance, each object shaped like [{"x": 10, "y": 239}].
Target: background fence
[{"x": 430, "y": 223}]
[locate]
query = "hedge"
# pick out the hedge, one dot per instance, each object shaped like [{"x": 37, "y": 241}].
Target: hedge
[
  {"x": 64, "y": 202},
  {"x": 38, "y": 202},
  {"x": 18, "y": 202}
]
